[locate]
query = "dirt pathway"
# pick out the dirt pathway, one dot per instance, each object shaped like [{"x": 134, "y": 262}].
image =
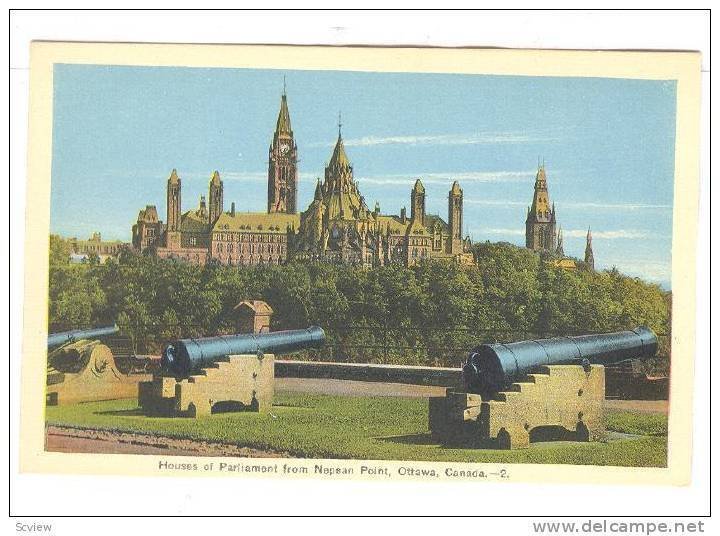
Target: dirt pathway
[{"x": 70, "y": 439}]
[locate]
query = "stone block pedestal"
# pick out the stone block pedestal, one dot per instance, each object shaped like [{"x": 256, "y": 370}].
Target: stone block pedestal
[
  {"x": 560, "y": 402},
  {"x": 238, "y": 383}
]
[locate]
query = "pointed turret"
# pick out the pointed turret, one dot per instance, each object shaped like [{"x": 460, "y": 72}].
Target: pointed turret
[
  {"x": 283, "y": 125},
  {"x": 339, "y": 157},
  {"x": 560, "y": 251},
  {"x": 318, "y": 191},
  {"x": 417, "y": 203},
  {"x": 589, "y": 256},
  {"x": 215, "y": 195},
  {"x": 455, "y": 218},
  {"x": 173, "y": 201}
]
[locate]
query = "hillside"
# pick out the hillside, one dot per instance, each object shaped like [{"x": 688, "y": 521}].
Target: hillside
[{"x": 431, "y": 314}]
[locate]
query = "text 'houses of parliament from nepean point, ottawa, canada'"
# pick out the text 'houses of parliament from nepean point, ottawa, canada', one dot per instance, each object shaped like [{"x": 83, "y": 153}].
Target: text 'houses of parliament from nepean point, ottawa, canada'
[{"x": 336, "y": 227}]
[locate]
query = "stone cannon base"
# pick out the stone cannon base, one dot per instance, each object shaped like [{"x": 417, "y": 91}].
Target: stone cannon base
[
  {"x": 560, "y": 402},
  {"x": 96, "y": 376},
  {"x": 238, "y": 383}
]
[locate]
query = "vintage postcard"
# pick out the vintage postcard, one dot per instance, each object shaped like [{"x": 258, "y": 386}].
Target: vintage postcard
[{"x": 381, "y": 263}]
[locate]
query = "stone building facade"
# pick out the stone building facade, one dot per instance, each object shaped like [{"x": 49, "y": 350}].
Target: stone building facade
[
  {"x": 148, "y": 230},
  {"x": 336, "y": 227},
  {"x": 541, "y": 231},
  {"x": 541, "y": 219},
  {"x": 95, "y": 245}
]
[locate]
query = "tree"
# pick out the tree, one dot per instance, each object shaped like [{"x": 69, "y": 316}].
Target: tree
[
  {"x": 428, "y": 314},
  {"x": 60, "y": 251}
]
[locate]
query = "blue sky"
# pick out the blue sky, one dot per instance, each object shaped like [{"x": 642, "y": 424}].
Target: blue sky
[{"x": 608, "y": 146}]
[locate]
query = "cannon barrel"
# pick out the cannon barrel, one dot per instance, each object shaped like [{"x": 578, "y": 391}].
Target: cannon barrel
[
  {"x": 58, "y": 339},
  {"x": 490, "y": 368},
  {"x": 181, "y": 357}
]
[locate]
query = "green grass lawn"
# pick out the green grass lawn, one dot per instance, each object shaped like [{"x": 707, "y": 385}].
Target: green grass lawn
[{"x": 380, "y": 428}]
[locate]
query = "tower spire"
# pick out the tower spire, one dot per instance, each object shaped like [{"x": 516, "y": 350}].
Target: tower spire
[
  {"x": 589, "y": 255},
  {"x": 282, "y": 163},
  {"x": 283, "y": 122},
  {"x": 541, "y": 219},
  {"x": 560, "y": 251},
  {"x": 339, "y": 157}
]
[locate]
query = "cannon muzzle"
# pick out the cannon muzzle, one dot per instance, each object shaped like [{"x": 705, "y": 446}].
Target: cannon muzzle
[
  {"x": 182, "y": 357},
  {"x": 490, "y": 368},
  {"x": 58, "y": 339}
]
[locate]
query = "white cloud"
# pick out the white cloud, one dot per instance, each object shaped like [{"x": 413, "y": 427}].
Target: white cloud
[
  {"x": 498, "y": 231},
  {"x": 611, "y": 206},
  {"x": 610, "y": 235},
  {"x": 574, "y": 233},
  {"x": 244, "y": 175},
  {"x": 495, "y": 202},
  {"x": 571, "y": 205},
  {"x": 442, "y": 139},
  {"x": 447, "y": 177}
]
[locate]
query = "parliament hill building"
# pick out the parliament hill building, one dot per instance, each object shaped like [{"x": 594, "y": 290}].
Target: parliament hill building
[
  {"x": 541, "y": 232},
  {"x": 337, "y": 226}
]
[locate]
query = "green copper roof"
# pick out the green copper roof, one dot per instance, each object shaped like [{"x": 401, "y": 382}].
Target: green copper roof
[
  {"x": 194, "y": 221},
  {"x": 275, "y": 222},
  {"x": 431, "y": 220},
  {"x": 283, "y": 122},
  {"x": 339, "y": 157}
]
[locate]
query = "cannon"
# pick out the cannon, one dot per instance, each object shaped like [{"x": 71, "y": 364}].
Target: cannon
[
  {"x": 65, "y": 337},
  {"x": 184, "y": 356},
  {"x": 198, "y": 377},
  {"x": 83, "y": 368},
  {"x": 537, "y": 390},
  {"x": 491, "y": 368}
]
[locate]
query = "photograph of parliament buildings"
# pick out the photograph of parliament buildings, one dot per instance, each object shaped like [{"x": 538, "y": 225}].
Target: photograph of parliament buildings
[
  {"x": 428, "y": 232},
  {"x": 337, "y": 226}
]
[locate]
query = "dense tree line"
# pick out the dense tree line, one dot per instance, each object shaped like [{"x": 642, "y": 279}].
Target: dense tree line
[{"x": 429, "y": 314}]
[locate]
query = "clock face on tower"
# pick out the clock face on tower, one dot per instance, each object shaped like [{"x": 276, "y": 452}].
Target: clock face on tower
[{"x": 284, "y": 147}]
